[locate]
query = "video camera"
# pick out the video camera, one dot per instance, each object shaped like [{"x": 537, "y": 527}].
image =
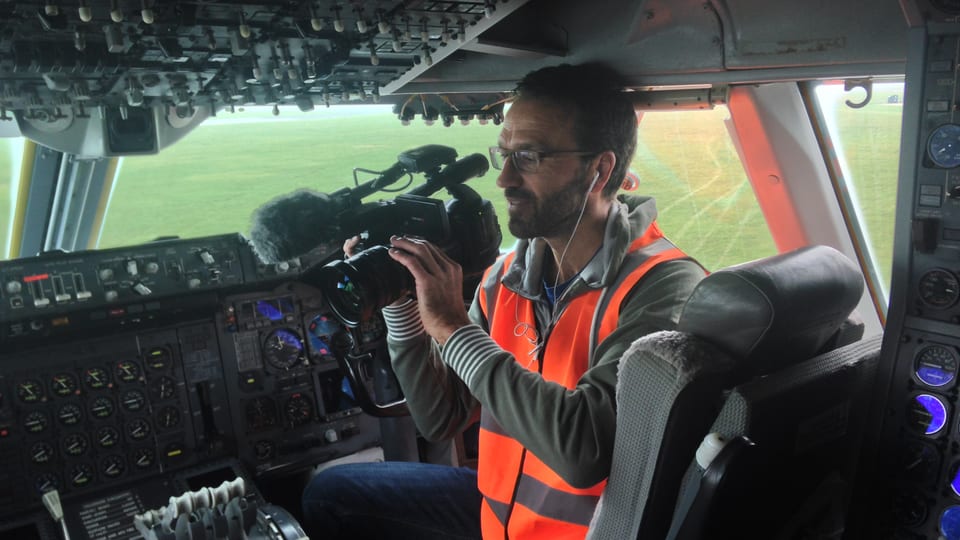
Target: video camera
[{"x": 465, "y": 227}]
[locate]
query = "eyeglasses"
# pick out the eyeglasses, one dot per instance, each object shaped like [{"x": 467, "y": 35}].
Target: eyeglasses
[{"x": 527, "y": 161}]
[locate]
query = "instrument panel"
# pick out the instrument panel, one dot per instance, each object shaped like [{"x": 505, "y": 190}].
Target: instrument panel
[
  {"x": 922, "y": 423},
  {"x": 242, "y": 367}
]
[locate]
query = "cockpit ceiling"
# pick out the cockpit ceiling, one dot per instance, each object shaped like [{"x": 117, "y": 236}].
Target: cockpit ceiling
[{"x": 68, "y": 59}]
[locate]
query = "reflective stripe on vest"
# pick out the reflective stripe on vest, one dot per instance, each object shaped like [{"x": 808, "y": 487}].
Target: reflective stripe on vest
[{"x": 517, "y": 487}]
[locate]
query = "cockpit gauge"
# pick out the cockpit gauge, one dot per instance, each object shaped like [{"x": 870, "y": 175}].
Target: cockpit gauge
[
  {"x": 138, "y": 429},
  {"x": 69, "y": 414},
  {"x": 943, "y": 146},
  {"x": 63, "y": 384},
  {"x": 75, "y": 444},
  {"x": 936, "y": 365},
  {"x": 919, "y": 463},
  {"x": 36, "y": 421},
  {"x": 263, "y": 450},
  {"x": 283, "y": 349},
  {"x": 950, "y": 522},
  {"x": 142, "y": 457},
  {"x": 261, "y": 414},
  {"x": 80, "y": 475},
  {"x": 29, "y": 391},
  {"x": 127, "y": 371},
  {"x": 299, "y": 410},
  {"x": 168, "y": 417},
  {"x": 133, "y": 400},
  {"x": 927, "y": 414},
  {"x": 158, "y": 359},
  {"x": 96, "y": 378},
  {"x": 41, "y": 452},
  {"x": 46, "y": 482},
  {"x": 939, "y": 288},
  {"x": 101, "y": 407},
  {"x": 107, "y": 437},
  {"x": 910, "y": 509},
  {"x": 112, "y": 466},
  {"x": 955, "y": 479},
  {"x": 163, "y": 388},
  {"x": 328, "y": 337}
]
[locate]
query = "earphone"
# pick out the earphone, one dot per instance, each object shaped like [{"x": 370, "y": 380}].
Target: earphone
[{"x": 596, "y": 176}]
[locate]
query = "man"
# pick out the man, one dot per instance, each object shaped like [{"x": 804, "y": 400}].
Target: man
[{"x": 535, "y": 358}]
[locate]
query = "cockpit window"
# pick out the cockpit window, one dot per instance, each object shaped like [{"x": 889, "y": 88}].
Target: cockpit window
[
  {"x": 211, "y": 181},
  {"x": 866, "y": 140},
  {"x": 687, "y": 161},
  {"x": 10, "y": 152}
]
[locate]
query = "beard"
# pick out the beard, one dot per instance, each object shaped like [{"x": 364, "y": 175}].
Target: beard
[{"x": 553, "y": 216}]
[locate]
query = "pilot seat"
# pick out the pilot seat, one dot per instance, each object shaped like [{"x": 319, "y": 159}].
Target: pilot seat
[{"x": 745, "y": 422}]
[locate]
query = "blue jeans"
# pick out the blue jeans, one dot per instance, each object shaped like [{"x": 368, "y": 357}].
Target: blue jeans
[{"x": 395, "y": 500}]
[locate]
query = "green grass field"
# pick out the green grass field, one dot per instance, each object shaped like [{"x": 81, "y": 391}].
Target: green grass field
[
  {"x": 6, "y": 187},
  {"x": 181, "y": 192},
  {"x": 212, "y": 180}
]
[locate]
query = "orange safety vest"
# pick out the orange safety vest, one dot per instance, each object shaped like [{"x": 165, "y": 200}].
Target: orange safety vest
[{"x": 523, "y": 497}]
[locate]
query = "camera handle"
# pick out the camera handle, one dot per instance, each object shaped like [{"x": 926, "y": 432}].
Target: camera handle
[{"x": 351, "y": 365}]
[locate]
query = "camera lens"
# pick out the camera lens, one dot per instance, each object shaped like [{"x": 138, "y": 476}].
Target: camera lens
[{"x": 357, "y": 287}]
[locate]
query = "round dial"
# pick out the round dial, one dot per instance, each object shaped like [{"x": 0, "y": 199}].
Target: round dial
[
  {"x": 41, "y": 452},
  {"x": 299, "y": 410},
  {"x": 163, "y": 388},
  {"x": 158, "y": 359},
  {"x": 75, "y": 444},
  {"x": 70, "y": 414},
  {"x": 950, "y": 522},
  {"x": 36, "y": 421},
  {"x": 101, "y": 407},
  {"x": 261, "y": 413},
  {"x": 138, "y": 429},
  {"x": 133, "y": 400},
  {"x": 283, "y": 349},
  {"x": 263, "y": 450},
  {"x": 927, "y": 414},
  {"x": 910, "y": 509},
  {"x": 80, "y": 475},
  {"x": 142, "y": 458},
  {"x": 943, "y": 147},
  {"x": 112, "y": 466},
  {"x": 127, "y": 371},
  {"x": 107, "y": 437},
  {"x": 29, "y": 391},
  {"x": 46, "y": 482},
  {"x": 919, "y": 463},
  {"x": 939, "y": 288},
  {"x": 936, "y": 365},
  {"x": 96, "y": 378},
  {"x": 63, "y": 384},
  {"x": 168, "y": 417}
]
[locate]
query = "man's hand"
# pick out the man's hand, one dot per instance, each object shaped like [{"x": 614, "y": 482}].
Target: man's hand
[
  {"x": 439, "y": 285},
  {"x": 350, "y": 246}
]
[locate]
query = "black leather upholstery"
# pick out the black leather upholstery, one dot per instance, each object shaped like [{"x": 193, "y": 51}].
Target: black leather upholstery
[{"x": 775, "y": 311}]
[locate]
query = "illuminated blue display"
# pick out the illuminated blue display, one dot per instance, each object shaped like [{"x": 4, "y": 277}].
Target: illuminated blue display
[
  {"x": 955, "y": 482},
  {"x": 269, "y": 310},
  {"x": 934, "y": 376},
  {"x": 950, "y": 523},
  {"x": 932, "y": 413}
]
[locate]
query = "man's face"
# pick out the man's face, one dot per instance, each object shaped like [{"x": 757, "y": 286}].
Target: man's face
[{"x": 546, "y": 202}]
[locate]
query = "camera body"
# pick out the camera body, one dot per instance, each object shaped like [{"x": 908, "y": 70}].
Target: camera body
[{"x": 464, "y": 227}]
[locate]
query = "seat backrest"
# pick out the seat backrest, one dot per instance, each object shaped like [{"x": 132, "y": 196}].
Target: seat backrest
[
  {"x": 791, "y": 458},
  {"x": 740, "y": 322}
]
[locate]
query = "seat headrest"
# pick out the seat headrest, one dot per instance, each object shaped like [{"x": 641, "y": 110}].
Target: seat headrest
[{"x": 775, "y": 311}]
